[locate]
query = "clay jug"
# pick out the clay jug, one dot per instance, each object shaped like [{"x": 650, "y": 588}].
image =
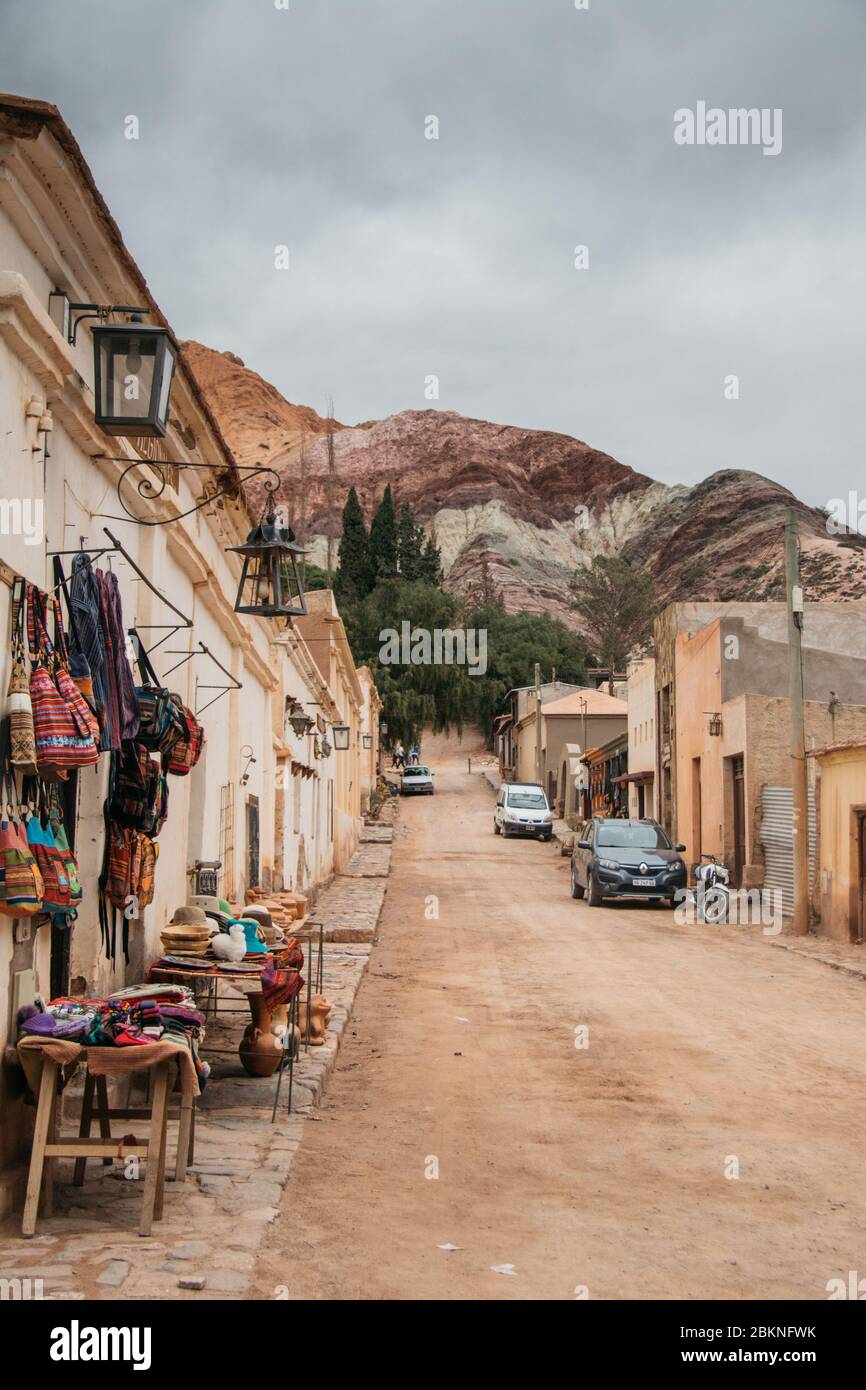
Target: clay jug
[
  {"x": 260, "y": 1050},
  {"x": 320, "y": 1012}
]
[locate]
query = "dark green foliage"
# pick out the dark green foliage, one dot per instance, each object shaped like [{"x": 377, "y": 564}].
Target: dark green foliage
[
  {"x": 617, "y": 605},
  {"x": 354, "y": 573},
  {"x": 383, "y": 539}
]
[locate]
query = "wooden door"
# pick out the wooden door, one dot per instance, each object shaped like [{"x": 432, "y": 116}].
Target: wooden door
[
  {"x": 739, "y": 819},
  {"x": 861, "y": 897}
]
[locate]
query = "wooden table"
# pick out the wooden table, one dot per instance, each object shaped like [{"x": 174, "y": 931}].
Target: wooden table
[{"x": 47, "y": 1146}]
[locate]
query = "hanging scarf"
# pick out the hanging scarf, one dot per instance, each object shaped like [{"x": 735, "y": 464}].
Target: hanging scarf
[
  {"x": 127, "y": 698},
  {"x": 86, "y": 636}
]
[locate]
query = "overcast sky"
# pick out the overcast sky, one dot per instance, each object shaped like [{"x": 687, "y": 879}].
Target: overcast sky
[{"x": 412, "y": 257}]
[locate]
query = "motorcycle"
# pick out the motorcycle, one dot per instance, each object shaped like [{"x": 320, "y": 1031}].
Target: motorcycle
[{"x": 712, "y": 893}]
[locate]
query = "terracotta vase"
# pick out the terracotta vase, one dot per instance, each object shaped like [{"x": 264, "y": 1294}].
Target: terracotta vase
[{"x": 260, "y": 1049}]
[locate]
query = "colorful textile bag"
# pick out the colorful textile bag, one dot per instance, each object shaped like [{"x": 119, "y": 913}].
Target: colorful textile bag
[
  {"x": 134, "y": 788},
  {"x": 21, "y": 886},
  {"x": 66, "y": 732},
  {"x": 69, "y": 861},
  {"x": 188, "y": 749},
  {"x": 57, "y": 895},
  {"x": 161, "y": 721},
  {"x": 19, "y": 709}
]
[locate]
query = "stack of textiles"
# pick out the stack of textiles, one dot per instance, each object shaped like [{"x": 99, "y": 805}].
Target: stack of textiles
[{"x": 135, "y": 1016}]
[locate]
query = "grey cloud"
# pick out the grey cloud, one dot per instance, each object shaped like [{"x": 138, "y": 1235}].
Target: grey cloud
[{"x": 454, "y": 256}]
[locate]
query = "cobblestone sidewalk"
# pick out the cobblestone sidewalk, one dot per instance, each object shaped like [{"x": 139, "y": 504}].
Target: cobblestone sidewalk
[{"x": 205, "y": 1246}]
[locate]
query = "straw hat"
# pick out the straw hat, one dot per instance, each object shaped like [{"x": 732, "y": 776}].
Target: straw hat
[{"x": 189, "y": 916}]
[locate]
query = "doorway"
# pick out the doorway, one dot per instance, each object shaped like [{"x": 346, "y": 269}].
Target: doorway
[
  {"x": 739, "y": 787},
  {"x": 861, "y": 876},
  {"x": 252, "y": 841},
  {"x": 697, "y": 816}
]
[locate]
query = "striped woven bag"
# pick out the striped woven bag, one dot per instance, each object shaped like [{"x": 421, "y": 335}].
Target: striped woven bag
[
  {"x": 66, "y": 732},
  {"x": 21, "y": 886}
]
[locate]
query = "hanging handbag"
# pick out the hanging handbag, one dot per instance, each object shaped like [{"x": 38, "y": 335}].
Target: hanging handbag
[
  {"x": 66, "y": 732},
  {"x": 188, "y": 749},
  {"x": 134, "y": 788},
  {"x": 57, "y": 895},
  {"x": 161, "y": 722},
  {"x": 21, "y": 886},
  {"x": 62, "y": 842},
  {"x": 19, "y": 709}
]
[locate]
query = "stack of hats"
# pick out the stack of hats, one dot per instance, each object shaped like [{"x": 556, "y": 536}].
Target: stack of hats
[
  {"x": 213, "y": 908},
  {"x": 188, "y": 933},
  {"x": 270, "y": 934},
  {"x": 285, "y": 907}
]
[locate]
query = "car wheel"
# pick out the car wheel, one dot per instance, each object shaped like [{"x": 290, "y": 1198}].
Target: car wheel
[
  {"x": 577, "y": 889},
  {"x": 593, "y": 897},
  {"x": 497, "y": 829},
  {"x": 546, "y": 838}
]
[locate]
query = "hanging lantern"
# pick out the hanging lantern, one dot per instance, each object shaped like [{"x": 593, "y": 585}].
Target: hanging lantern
[
  {"x": 341, "y": 737},
  {"x": 271, "y": 584},
  {"x": 715, "y": 725},
  {"x": 383, "y": 728},
  {"x": 368, "y": 740},
  {"x": 299, "y": 723},
  {"x": 133, "y": 366}
]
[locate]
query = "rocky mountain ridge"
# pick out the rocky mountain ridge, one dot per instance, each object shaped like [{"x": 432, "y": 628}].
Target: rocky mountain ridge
[{"x": 525, "y": 507}]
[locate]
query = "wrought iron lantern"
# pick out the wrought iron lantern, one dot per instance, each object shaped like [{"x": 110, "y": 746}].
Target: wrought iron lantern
[
  {"x": 383, "y": 728},
  {"x": 271, "y": 584},
  {"x": 341, "y": 737},
  {"x": 715, "y": 725},
  {"x": 299, "y": 723},
  {"x": 368, "y": 740},
  {"x": 133, "y": 371}
]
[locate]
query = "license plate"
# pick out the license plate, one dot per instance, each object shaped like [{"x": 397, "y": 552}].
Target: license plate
[{"x": 643, "y": 882}]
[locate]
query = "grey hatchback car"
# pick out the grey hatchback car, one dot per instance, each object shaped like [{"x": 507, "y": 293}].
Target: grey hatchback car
[{"x": 626, "y": 859}]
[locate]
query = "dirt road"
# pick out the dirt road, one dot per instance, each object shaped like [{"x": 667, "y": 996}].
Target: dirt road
[{"x": 601, "y": 1166}]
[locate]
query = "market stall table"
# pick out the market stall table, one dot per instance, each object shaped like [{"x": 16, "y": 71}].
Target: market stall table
[{"x": 47, "y": 1061}]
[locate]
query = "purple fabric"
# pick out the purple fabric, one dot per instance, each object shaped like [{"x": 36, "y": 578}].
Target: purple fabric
[{"x": 47, "y": 1026}]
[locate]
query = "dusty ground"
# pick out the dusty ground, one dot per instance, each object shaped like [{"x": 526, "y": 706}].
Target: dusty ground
[{"x": 602, "y": 1167}]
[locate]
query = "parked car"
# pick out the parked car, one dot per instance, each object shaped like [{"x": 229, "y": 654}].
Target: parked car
[
  {"x": 626, "y": 859},
  {"x": 416, "y": 779},
  {"x": 522, "y": 809}
]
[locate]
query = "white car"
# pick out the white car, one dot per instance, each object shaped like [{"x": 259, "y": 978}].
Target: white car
[
  {"x": 522, "y": 809},
  {"x": 416, "y": 779}
]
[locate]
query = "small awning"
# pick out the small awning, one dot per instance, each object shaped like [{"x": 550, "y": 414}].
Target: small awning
[{"x": 643, "y": 776}]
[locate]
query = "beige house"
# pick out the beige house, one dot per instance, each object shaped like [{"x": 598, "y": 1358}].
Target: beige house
[
  {"x": 723, "y": 768},
  {"x": 260, "y": 803},
  {"x": 840, "y": 886},
  {"x": 570, "y": 725},
  {"x": 641, "y": 687}
]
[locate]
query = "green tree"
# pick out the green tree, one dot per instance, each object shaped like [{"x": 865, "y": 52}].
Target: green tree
[
  {"x": 354, "y": 571},
  {"x": 430, "y": 568},
  {"x": 515, "y": 641},
  {"x": 410, "y": 544},
  {"x": 617, "y": 604},
  {"x": 383, "y": 538}
]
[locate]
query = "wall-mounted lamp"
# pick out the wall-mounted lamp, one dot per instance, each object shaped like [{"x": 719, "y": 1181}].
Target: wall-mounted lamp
[
  {"x": 341, "y": 734},
  {"x": 715, "y": 725},
  {"x": 133, "y": 365},
  {"x": 368, "y": 740},
  {"x": 246, "y": 752}
]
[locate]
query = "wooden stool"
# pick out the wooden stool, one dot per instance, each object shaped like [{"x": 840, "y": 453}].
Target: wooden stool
[{"x": 46, "y": 1146}]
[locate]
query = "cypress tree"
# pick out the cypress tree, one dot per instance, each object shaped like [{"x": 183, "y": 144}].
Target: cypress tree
[
  {"x": 354, "y": 573},
  {"x": 410, "y": 542},
  {"x": 383, "y": 538}
]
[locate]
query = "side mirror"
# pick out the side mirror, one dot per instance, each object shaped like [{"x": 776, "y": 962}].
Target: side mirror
[
  {"x": 680, "y": 849},
  {"x": 584, "y": 844}
]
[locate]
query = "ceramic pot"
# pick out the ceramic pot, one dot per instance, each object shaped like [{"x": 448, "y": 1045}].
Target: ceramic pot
[
  {"x": 260, "y": 1050},
  {"x": 320, "y": 1012}
]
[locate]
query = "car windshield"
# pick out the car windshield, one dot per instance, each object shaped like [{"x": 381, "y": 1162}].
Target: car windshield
[
  {"x": 527, "y": 801},
  {"x": 627, "y": 836},
  {"x": 416, "y": 772}
]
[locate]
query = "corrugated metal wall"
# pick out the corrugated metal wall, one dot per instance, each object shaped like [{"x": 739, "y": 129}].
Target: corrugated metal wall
[{"x": 777, "y": 834}]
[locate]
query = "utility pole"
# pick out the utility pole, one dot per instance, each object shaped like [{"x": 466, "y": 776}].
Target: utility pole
[
  {"x": 538, "y": 777},
  {"x": 800, "y": 796}
]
